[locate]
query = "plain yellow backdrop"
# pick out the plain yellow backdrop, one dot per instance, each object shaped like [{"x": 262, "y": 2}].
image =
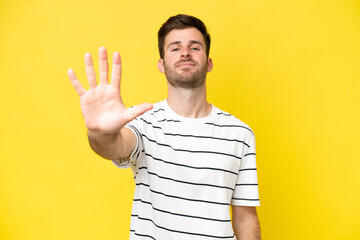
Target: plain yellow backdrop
[{"x": 288, "y": 68}]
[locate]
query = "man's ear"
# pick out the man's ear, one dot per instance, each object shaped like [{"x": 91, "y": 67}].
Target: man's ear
[
  {"x": 209, "y": 65},
  {"x": 161, "y": 65}
]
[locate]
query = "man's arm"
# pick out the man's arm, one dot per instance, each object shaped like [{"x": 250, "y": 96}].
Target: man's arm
[
  {"x": 103, "y": 110},
  {"x": 113, "y": 146},
  {"x": 245, "y": 223}
]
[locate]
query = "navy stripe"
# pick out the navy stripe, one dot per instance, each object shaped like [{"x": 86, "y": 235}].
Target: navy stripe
[
  {"x": 182, "y": 198},
  {"x": 182, "y": 165},
  {"x": 137, "y": 150},
  {"x": 246, "y": 184},
  {"x": 247, "y": 169},
  {"x": 216, "y": 125},
  {"x": 191, "y": 183},
  {"x": 182, "y": 232},
  {"x": 160, "y": 109},
  {"x": 248, "y": 154},
  {"x": 225, "y": 114},
  {"x": 178, "y": 214},
  {"x": 224, "y": 139},
  {"x": 190, "y": 151},
  {"x": 150, "y": 123},
  {"x": 142, "y": 235},
  {"x": 168, "y": 120},
  {"x": 245, "y": 199}
]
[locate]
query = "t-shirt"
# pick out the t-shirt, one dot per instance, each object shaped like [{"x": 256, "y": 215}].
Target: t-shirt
[{"x": 188, "y": 171}]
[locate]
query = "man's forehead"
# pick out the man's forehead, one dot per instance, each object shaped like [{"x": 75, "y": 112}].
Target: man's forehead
[{"x": 182, "y": 36}]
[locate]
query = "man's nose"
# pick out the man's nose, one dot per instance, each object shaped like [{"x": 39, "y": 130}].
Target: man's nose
[{"x": 185, "y": 53}]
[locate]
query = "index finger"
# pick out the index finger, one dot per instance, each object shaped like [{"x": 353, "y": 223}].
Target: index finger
[{"x": 75, "y": 82}]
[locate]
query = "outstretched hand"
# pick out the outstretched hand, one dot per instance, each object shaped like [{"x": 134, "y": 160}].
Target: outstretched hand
[{"x": 101, "y": 105}]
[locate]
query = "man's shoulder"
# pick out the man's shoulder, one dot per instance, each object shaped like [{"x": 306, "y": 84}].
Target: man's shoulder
[{"x": 227, "y": 120}]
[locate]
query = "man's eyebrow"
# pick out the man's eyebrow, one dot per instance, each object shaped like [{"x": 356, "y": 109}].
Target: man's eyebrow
[
  {"x": 173, "y": 43},
  {"x": 196, "y": 42},
  {"x": 191, "y": 42}
]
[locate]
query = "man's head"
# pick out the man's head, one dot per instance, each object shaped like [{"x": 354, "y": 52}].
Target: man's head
[
  {"x": 182, "y": 21},
  {"x": 184, "y": 49}
]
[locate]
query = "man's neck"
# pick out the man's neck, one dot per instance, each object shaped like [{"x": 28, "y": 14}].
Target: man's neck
[{"x": 190, "y": 103}]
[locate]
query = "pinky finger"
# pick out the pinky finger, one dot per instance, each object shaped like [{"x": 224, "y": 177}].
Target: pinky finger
[{"x": 75, "y": 82}]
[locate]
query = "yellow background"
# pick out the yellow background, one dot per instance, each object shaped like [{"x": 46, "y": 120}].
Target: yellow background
[{"x": 289, "y": 69}]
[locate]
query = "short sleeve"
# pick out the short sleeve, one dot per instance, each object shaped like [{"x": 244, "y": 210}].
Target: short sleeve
[
  {"x": 134, "y": 156},
  {"x": 246, "y": 191}
]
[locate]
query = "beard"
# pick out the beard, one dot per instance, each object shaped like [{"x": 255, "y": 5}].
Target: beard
[{"x": 186, "y": 79}]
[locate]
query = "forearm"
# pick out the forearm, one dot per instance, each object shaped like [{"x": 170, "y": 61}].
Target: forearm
[
  {"x": 246, "y": 226},
  {"x": 112, "y": 146}
]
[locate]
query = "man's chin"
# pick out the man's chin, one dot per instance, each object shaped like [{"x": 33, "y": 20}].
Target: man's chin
[
  {"x": 186, "y": 83},
  {"x": 187, "y": 78}
]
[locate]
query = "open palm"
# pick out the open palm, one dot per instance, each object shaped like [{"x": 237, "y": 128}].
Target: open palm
[{"x": 102, "y": 106}]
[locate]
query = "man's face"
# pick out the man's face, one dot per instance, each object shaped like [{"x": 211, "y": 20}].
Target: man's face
[{"x": 185, "y": 63}]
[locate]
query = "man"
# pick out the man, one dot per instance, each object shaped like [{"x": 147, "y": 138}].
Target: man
[{"x": 190, "y": 160}]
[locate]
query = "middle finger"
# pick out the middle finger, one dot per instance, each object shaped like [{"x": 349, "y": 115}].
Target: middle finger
[{"x": 103, "y": 65}]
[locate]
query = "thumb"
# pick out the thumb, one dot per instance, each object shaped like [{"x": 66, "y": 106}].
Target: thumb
[{"x": 137, "y": 110}]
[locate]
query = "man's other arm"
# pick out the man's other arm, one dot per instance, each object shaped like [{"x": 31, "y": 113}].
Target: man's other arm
[{"x": 245, "y": 223}]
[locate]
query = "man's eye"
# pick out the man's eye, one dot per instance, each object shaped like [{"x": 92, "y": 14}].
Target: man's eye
[
  {"x": 175, "y": 49},
  {"x": 195, "y": 49}
]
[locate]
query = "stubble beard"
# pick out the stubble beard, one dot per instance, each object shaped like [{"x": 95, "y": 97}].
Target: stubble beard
[{"x": 186, "y": 79}]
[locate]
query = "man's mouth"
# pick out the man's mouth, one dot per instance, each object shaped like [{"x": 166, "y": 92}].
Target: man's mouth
[{"x": 185, "y": 64}]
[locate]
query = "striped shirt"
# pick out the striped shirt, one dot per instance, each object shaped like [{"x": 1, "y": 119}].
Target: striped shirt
[{"x": 188, "y": 171}]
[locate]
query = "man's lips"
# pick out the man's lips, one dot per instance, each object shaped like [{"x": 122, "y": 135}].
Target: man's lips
[{"x": 185, "y": 64}]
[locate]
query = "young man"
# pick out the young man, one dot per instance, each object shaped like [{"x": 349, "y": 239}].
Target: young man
[{"x": 190, "y": 160}]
